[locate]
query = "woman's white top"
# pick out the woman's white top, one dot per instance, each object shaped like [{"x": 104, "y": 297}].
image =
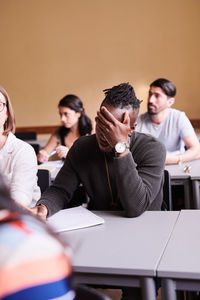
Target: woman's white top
[{"x": 18, "y": 165}]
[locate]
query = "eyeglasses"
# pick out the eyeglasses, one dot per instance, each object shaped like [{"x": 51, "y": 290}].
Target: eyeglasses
[{"x": 2, "y": 105}]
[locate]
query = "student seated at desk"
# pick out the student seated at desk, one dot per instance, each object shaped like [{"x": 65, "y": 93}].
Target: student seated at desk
[
  {"x": 34, "y": 263},
  {"x": 75, "y": 124},
  {"x": 119, "y": 167},
  {"x": 169, "y": 125},
  {"x": 18, "y": 161}
]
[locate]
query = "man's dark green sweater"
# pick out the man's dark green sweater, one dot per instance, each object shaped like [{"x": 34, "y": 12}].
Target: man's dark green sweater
[{"x": 136, "y": 178}]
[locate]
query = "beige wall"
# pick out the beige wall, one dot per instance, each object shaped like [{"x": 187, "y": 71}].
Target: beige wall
[{"x": 53, "y": 47}]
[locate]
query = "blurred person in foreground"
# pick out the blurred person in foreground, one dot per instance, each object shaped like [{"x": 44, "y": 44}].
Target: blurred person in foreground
[{"x": 34, "y": 263}]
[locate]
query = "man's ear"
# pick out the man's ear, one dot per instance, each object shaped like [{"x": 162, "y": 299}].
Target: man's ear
[
  {"x": 170, "y": 101},
  {"x": 126, "y": 118}
]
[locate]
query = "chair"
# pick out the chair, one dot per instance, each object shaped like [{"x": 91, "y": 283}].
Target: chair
[
  {"x": 87, "y": 293},
  {"x": 31, "y": 135},
  {"x": 36, "y": 147},
  {"x": 44, "y": 179},
  {"x": 80, "y": 197},
  {"x": 167, "y": 193}
]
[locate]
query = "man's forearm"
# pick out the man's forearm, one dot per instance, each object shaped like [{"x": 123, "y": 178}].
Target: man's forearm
[{"x": 188, "y": 155}]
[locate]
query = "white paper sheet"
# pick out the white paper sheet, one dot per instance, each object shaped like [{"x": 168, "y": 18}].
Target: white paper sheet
[
  {"x": 73, "y": 218},
  {"x": 53, "y": 167},
  {"x": 51, "y": 164}
]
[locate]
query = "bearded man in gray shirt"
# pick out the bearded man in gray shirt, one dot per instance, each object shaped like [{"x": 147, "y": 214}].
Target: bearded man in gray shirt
[{"x": 170, "y": 126}]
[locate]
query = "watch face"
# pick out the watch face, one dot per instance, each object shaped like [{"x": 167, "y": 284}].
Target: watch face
[{"x": 120, "y": 147}]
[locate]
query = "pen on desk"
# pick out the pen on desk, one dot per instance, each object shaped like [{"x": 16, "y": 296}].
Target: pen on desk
[{"x": 52, "y": 153}]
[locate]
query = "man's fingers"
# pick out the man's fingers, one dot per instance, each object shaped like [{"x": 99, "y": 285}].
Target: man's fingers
[
  {"x": 101, "y": 118},
  {"x": 103, "y": 123},
  {"x": 101, "y": 128},
  {"x": 108, "y": 116},
  {"x": 40, "y": 211},
  {"x": 106, "y": 120}
]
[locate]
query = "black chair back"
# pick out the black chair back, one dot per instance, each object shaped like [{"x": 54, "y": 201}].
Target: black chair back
[
  {"x": 31, "y": 135},
  {"x": 44, "y": 179},
  {"x": 36, "y": 147},
  {"x": 167, "y": 192}
]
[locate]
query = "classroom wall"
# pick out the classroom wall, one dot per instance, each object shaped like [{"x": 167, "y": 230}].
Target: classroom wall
[{"x": 53, "y": 47}]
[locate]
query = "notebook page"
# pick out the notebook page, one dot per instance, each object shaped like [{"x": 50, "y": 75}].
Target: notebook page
[{"x": 73, "y": 218}]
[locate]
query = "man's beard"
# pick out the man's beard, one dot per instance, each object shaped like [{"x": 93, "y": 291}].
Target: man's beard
[{"x": 152, "y": 113}]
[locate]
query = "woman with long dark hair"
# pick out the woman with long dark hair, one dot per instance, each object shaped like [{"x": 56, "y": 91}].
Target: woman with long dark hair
[{"x": 75, "y": 123}]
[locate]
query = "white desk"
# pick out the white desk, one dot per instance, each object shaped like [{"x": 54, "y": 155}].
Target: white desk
[
  {"x": 190, "y": 181},
  {"x": 195, "y": 181},
  {"x": 123, "y": 251},
  {"x": 179, "y": 177},
  {"x": 180, "y": 264}
]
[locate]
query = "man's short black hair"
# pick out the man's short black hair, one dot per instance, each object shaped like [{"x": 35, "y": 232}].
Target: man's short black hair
[
  {"x": 167, "y": 86},
  {"x": 122, "y": 95}
]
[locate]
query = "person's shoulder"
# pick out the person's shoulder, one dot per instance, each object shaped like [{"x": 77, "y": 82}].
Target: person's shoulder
[
  {"x": 23, "y": 146},
  {"x": 140, "y": 136},
  {"x": 147, "y": 149},
  {"x": 176, "y": 112},
  {"x": 21, "y": 151},
  {"x": 85, "y": 140},
  {"x": 82, "y": 147},
  {"x": 177, "y": 115},
  {"x": 17, "y": 145},
  {"x": 145, "y": 140}
]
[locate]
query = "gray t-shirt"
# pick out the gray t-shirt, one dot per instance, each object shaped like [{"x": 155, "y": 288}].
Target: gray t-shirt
[{"x": 170, "y": 132}]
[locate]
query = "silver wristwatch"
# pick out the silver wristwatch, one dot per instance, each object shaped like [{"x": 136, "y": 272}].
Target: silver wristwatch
[{"x": 121, "y": 147}]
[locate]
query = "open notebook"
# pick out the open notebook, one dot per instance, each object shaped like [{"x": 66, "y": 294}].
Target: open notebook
[{"x": 73, "y": 218}]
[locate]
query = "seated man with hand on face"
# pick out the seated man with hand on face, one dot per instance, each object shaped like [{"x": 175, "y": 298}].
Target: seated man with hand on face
[
  {"x": 169, "y": 125},
  {"x": 119, "y": 167}
]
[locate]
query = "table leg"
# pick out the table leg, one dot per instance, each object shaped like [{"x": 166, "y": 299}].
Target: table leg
[
  {"x": 196, "y": 196},
  {"x": 148, "y": 288},
  {"x": 168, "y": 289},
  {"x": 187, "y": 194},
  {"x": 187, "y": 191}
]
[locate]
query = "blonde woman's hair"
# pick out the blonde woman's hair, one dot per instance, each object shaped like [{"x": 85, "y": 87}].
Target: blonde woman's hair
[{"x": 9, "y": 125}]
